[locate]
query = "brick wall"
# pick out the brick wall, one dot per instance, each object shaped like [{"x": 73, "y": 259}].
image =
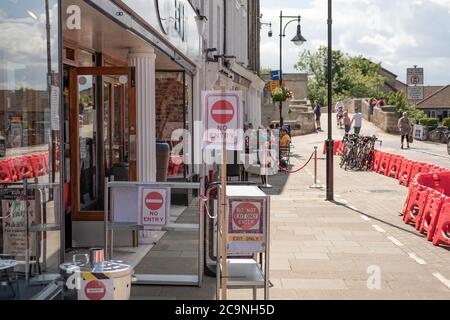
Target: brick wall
[{"x": 169, "y": 106}]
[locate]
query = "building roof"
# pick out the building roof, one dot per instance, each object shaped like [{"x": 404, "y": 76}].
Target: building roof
[{"x": 439, "y": 99}]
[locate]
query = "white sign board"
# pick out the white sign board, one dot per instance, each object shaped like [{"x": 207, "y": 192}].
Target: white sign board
[
  {"x": 415, "y": 76},
  {"x": 415, "y": 93},
  {"x": 154, "y": 207},
  {"x": 223, "y": 114},
  {"x": 246, "y": 226}
]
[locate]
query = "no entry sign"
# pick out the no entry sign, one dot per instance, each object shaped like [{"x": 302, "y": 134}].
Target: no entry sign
[
  {"x": 246, "y": 226},
  {"x": 96, "y": 290},
  {"x": 222, "y": 112},
  {"x": 223, "y": 119},
  {"x": 155, "y": 206}
]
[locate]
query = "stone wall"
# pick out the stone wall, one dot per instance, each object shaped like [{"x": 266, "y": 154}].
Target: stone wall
[{"x": 385, "y": 118}]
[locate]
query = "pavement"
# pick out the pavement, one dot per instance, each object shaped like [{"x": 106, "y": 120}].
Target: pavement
[{"x": 356, "y": 247}]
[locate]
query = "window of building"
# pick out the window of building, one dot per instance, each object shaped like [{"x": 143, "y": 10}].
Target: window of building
[{"x": 30, "y": 140}]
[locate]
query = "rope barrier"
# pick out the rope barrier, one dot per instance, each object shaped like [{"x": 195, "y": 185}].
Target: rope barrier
[{"x": 297, "y": 170}]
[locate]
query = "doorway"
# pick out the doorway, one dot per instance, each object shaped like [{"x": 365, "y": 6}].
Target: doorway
[{"x": 102, "y": 135}]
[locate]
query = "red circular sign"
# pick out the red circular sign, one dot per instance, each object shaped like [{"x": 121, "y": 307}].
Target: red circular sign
[
  {"x": 246, "y": 215},
  {"x": 95, "y": 290},
  {"x": 222, "y": 112},
  {"x": 154, "y": 201}
]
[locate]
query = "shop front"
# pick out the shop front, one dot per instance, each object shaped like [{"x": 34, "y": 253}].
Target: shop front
[{"x": 94, "y": 99}]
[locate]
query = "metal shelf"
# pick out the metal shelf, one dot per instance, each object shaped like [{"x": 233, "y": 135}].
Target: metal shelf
[{"x": 244, "y": 273}]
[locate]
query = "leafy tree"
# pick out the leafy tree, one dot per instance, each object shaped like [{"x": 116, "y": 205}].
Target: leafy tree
[{"x": 353, "y": 76}]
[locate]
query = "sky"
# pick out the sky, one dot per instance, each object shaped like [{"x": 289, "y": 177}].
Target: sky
[{"x": 397, "y": 33}]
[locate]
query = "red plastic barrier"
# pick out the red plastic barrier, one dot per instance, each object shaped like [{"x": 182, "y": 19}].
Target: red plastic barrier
[
  {"x": 23, "y": 167},
  {"x": 47, "y": 162},
  {"x": 377, "y": 155},
  {"x": 419, "y": 167},
  {"x": 384, "y": 163},
  {"x": 439, "y": 181},
  {"x": 394, "y": 166},
  {"x": 430, "y": 214},
  {"x": 442, "y": 232},
  {"x": 337, "y": 145},
  {"x": 38, "y": 164},
  {"x": 415, "y": 205},
  {"x": 404, "y": 175},
  {"x": 6, "y": 176}
]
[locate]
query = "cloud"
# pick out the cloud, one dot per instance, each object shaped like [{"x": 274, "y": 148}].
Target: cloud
[{"x": 399, "y": 33}]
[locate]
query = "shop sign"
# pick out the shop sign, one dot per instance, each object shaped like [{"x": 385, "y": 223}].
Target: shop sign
[
  {"x": 223, "y": 119},
  {"x": 246, "y": 226},
  {"x": 154, "y": 207},
  {"x": 14, "y": 209}
]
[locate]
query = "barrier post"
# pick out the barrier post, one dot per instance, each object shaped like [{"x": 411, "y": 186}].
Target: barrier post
[
  {"x": 315, "y": 185},
  {"x": 265, "y": 162}
]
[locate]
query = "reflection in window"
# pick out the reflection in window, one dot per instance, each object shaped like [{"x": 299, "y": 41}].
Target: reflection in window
[{"x": 29, "y": 133}]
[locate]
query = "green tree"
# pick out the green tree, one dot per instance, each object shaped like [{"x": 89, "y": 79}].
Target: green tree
[{"x": 353, "y": 76}]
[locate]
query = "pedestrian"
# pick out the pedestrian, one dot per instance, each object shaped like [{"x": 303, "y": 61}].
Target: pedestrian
[
  {"x": 405, "y": 126},
  {"x": 381, "y": 102},
  {"x": 357, "y": 120},
  {"x": 339, "y": 113},
  {"x": 318, "y": 114},
  {"x": 347, "y": 123},
  {"x": 372, "y": 104}
]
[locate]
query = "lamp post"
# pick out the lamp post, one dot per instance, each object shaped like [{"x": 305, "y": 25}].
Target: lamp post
[
  {"x": 330, "y": 143},
  {"x": 298, "y": 40}
]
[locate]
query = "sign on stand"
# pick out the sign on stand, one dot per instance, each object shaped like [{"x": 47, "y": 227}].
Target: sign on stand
[
  {"x": 223, "y": 118},
  {"x": 246, "y": 226},
  {"x": 154, "y": 207},
  {"x": 415, "y": 93}
]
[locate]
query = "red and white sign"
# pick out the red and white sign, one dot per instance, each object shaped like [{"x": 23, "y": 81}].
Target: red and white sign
[
  {"x": 96, "y": 290},
  {"x": 155, "y": 205},
  {"x": 246, "y": 216},
  {"x": 223, "y": 119},
  {"x": 246, "y": 226}
]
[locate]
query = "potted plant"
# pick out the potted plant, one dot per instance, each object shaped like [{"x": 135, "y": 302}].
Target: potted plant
[{"x": 281, "y": 94}]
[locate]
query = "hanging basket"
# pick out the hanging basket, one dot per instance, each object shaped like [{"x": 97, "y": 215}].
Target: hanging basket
[{"x": 281, "y": 94}]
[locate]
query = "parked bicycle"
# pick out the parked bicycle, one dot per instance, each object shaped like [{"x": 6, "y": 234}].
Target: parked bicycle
[{"x": 358, "y": 152}]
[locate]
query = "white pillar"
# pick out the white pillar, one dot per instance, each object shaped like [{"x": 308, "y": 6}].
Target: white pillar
[{"x": 144, "y": 60}]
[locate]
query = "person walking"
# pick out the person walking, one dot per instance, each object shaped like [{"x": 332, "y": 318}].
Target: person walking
[
  {"x": 339, "y": 113},
  {"x": 347, "y": 123},
  {"x": 318, "y": 114},
  {"x": 405, "y": 126},
  {"x": 357, "y": 120}
]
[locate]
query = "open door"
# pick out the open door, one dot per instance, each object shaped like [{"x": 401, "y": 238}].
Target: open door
[{"x": 102, "y": 135}]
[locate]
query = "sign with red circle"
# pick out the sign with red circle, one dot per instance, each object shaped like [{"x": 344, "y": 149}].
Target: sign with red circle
[
  {"x": 246, "y": 216},
  {"x": 154, "y": 201},
  {"x": 95, "y": 290},
  {"x": 154, "y": 207},
  {"x": 222, "y": 112}
]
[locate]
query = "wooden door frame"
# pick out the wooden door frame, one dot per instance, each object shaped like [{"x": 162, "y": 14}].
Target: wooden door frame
[{"x": 78, "y": 215}]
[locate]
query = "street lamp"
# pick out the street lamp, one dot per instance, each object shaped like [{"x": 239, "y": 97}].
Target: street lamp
[
  {"x": 297, "y": 40},
  {"x": 330, "y": 143}
]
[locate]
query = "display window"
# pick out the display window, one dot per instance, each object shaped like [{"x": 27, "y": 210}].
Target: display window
[{"x": 30, "y": 146}]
